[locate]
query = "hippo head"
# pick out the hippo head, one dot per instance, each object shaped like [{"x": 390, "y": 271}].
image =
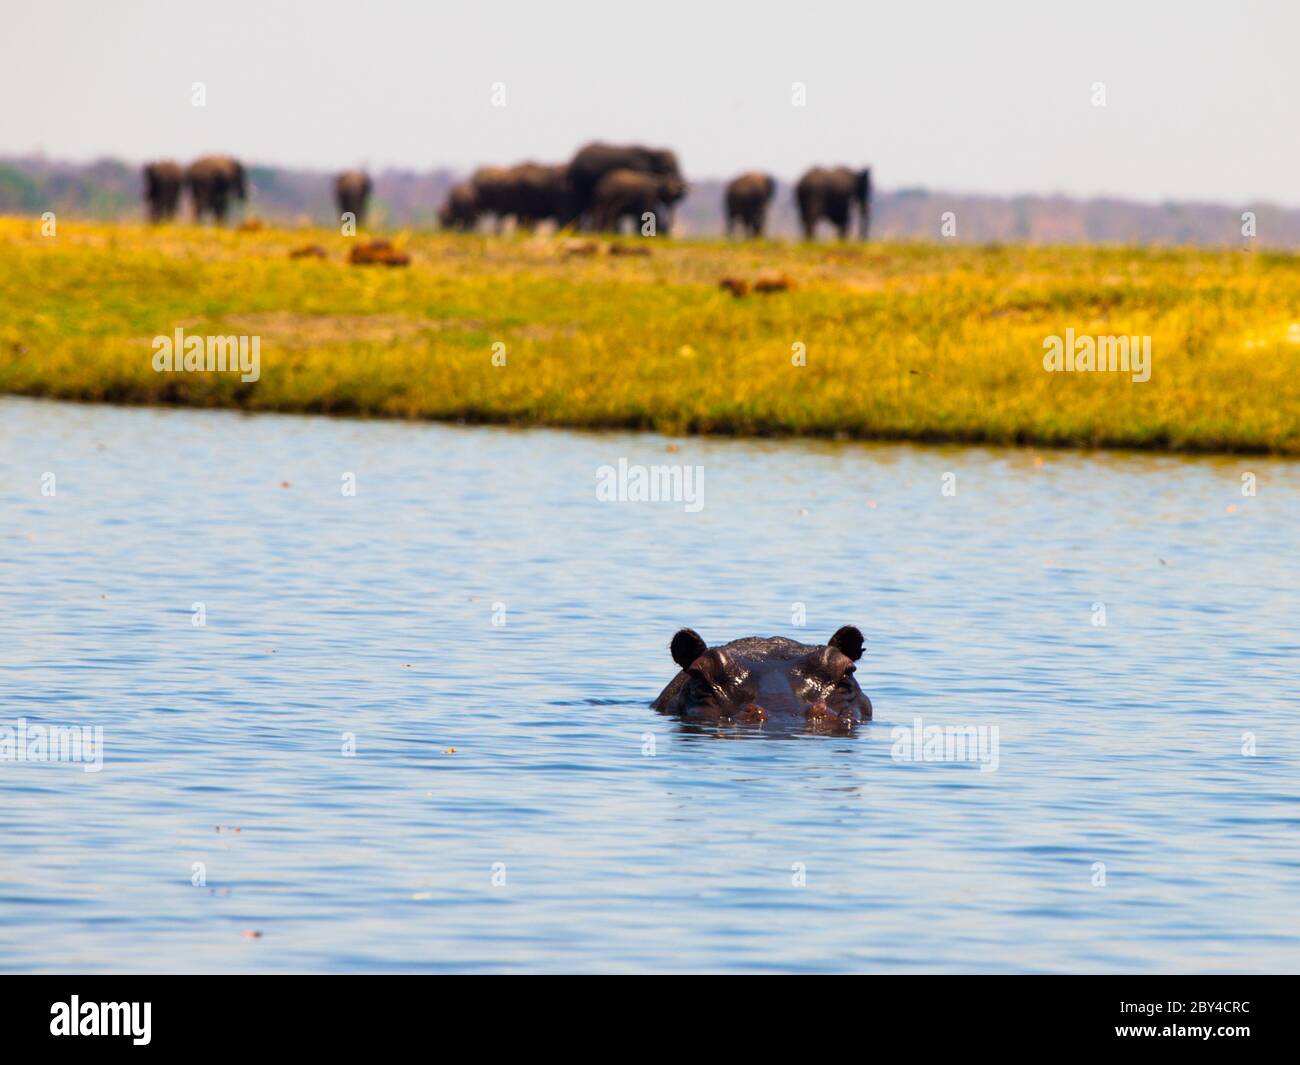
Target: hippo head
[{"x": 761, "y": 679}]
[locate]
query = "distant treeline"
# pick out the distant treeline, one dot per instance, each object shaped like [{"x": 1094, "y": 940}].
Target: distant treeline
[{"x": 112, "y": 190}]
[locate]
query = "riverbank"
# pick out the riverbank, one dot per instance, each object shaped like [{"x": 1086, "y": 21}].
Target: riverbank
[{"x": 902, "y": 342}]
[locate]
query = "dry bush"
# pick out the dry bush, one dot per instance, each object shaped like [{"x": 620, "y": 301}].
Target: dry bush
[{"x": 379, "y": 252}]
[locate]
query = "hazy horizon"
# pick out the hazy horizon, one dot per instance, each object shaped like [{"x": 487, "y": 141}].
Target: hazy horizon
[{"x": 996, "y": 101}]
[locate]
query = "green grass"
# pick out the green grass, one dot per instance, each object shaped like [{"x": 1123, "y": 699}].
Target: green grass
[{"x": 903, "y": 341}]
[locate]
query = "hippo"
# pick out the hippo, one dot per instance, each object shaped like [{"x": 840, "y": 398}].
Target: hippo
[{"x": 757, "y": 679}]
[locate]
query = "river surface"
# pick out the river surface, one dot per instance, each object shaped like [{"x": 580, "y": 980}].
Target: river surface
[{"x": 412, "y": 732}]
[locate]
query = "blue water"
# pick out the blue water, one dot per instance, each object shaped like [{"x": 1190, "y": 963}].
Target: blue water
[{"x": 374, "y": 615}]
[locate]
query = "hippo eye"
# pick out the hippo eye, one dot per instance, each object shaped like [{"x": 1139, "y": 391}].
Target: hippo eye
[{"x": 705, "y": 683}]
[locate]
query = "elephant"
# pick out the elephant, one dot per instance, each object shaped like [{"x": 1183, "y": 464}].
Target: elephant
[
  {"x": 623, "y": 193},
  {"x": 746, "y": 202},
  {"x": 594, "y": 161},
  {"x": 530, "y": 193},
  {"x": 543, "y": 194},
  {"x": 352, "y": 193},
  {"x": 162, "y": 190},
  {"x": 829, "y": 194},
  {"x": 212, "y": 181},
  {"x": 461, "y": 211}
]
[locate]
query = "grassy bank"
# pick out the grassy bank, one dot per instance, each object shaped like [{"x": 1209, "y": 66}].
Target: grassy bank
[{"x": 919, "y": 342}]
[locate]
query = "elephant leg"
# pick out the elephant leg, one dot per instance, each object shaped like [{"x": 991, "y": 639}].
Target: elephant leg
[{"x": 841, "y": 220}]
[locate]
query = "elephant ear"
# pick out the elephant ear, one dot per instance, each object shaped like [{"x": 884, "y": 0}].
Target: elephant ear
[
  {"x": 848, "y": 641},
  {"x": 686, "y": 647}
]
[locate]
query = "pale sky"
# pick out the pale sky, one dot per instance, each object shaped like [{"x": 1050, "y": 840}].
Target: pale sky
[{"x": 1201, "y": 98}]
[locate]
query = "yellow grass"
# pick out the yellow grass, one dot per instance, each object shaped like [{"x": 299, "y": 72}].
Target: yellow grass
[{"x": 902, "y": 341}]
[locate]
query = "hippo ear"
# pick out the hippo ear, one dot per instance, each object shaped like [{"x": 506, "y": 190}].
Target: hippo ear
[
  {"x": 848, "y": 641},
  {"x": 687, "y": 647}
]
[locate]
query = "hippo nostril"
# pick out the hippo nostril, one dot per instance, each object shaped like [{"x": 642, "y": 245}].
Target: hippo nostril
[
  {"x": 820, "y": 712},
  {"x": 752, "y": 712}
]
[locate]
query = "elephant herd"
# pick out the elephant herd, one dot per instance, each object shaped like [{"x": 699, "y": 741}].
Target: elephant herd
[
  {"x": 600, "y": 187},
  {"x": 213, "y": 182},
  {"x": 830, "y": 194}
]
